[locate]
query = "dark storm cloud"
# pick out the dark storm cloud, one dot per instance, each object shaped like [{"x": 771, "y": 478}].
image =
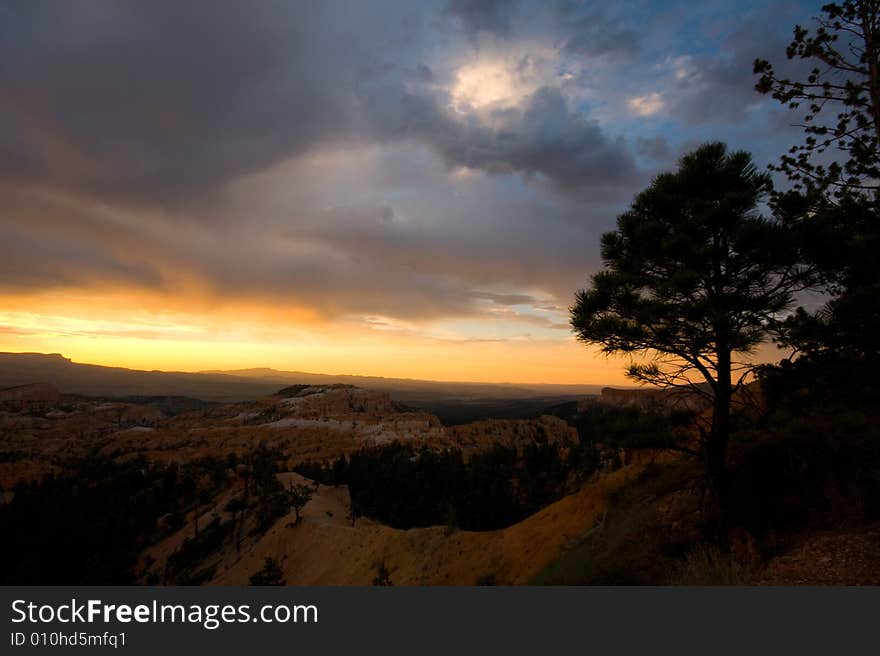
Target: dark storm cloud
[
  {"x": 543, "y": 137},
  {"x": 58, "y": 246},
  {"x": 490, "y": 246},
  {"x": 126, "y": 126},
  {"x": 594, "y": 34},
  {"x": 36, "y": 262},
  {"x": 161, "y": 102},
  {"x": 156, "y": 100},
  {"x": 353, "y": 260},
  {"x": 493, "y": 16}
]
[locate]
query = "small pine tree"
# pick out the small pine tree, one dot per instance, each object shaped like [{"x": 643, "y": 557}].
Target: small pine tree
[
  {"x": 271, "y": 574},
  {"x": 383, "y": 576},
  {"x": 299, "y": 496}
]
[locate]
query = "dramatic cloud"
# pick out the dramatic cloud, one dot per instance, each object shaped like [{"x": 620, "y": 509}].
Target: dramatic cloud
[
  {"x": 158, "y": 102},
  {"x": 543, "y": 137},
  {"x": 439, "y": 169}
]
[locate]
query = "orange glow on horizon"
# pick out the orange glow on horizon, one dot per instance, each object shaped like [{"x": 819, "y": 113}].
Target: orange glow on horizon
[
  {"x": 135, "y": 332},
  {"x": 151, "y": 333}
]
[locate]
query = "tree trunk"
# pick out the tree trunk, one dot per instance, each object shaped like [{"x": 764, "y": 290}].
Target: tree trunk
[
  {"x": 239, "y": 527},
  {"x": 715, "y": 448},
  {"x": 870, "y": 38}
]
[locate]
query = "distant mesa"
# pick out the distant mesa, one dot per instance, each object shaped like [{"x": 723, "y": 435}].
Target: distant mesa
[
  {"x": 307, "y": 390},
  {"x": 669, "y": 399},
  {"x": 33, "y": 357},
  {"x": 34, "y": 394},
  {"x": 612, "y": 395}
]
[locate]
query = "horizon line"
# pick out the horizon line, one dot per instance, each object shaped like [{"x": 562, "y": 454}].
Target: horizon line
[{"x": 232, "y": 372}]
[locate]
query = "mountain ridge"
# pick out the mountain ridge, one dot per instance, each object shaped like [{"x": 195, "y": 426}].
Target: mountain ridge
[{"x": 243, "y": 384}]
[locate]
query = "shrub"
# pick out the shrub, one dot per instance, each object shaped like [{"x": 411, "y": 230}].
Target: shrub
[
  {"x": 271, "y": 573},
  {"x": 383, "y": 576},
  {"x": 707, "y": 565}
]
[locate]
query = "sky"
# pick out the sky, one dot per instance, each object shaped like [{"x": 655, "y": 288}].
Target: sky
[{"x": 397, "y": 187}]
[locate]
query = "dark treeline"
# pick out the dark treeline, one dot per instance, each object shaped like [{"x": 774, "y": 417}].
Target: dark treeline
[
  {"x": 465, "y": 411},
  {"x": 623, "y": 426},
  {"x": 406, "y": 486},
  {"x": 88, "y": 524}
]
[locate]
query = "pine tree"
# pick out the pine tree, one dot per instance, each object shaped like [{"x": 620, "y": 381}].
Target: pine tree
[
  {"x": 271, "y": 573},
  {"x": 694, "y": 279}
]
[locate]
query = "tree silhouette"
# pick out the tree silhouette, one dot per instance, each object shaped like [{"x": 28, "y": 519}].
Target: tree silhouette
[
  {"x": 271, "y": 573},
  {"x": 845, "y": 48},
  {"x": 694, "y": 275},
  {"x": 298, "y": 496},
  {"x": 842, "y": 236},
  {"x": 383, "y": 575}
]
